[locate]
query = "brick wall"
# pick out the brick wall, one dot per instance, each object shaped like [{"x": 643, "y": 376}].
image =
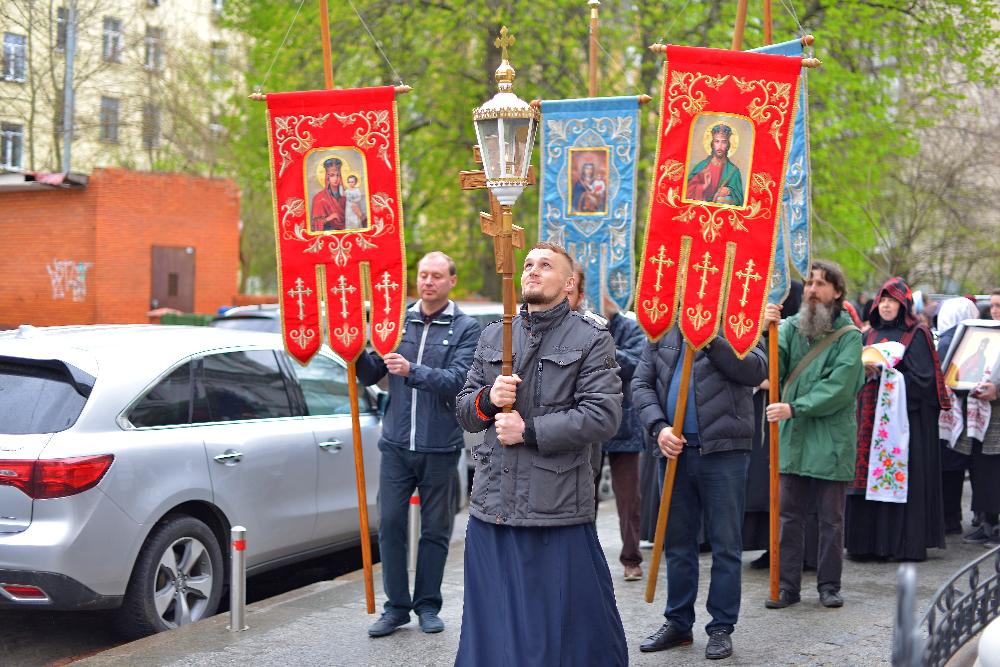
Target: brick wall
[{"x": 84, "y": 256}]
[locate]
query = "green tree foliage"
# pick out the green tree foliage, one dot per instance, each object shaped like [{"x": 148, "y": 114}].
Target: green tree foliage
[{"x": 879, "y": 88}]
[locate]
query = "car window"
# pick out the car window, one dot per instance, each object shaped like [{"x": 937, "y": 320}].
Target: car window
[
  {"x": 268, "y": 324},
  {"x": 241, "y": 385},
  {"x": 37, "y": 398},
  {"x": 324, "y": 386},
  {"x": 166, "y": 404}
]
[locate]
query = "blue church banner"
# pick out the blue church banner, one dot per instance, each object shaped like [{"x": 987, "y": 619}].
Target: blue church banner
[
  {"x": 587, "y": 205},
  {"x": 794, "y": 239}
]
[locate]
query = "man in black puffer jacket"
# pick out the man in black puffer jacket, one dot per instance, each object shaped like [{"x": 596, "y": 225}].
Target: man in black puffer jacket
[{"x": 710, "y": 486}]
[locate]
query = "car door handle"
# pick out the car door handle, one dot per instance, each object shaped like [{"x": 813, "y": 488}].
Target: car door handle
[
  {"x": 332, "y": 445},
  {"x": 229, "y": 456}
]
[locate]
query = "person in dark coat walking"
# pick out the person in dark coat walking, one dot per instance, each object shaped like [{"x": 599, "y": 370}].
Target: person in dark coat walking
[
  {"x": 622, "y": 451},
  {"x": 712, "y": 454},
  {"x": 538, "y": 589},
  {"x": 421, "y": 443}
]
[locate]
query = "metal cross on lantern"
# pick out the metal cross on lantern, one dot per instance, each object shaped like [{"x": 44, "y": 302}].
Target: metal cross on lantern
[{"x": 505, "y": 128}]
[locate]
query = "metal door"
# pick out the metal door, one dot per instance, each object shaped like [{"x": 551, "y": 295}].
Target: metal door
[{"x": 172, "y": 284}]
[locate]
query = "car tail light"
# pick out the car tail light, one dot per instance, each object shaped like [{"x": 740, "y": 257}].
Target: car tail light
[
  {"x": 24, "y": 592},
  {"x": 55, "y": 478}
]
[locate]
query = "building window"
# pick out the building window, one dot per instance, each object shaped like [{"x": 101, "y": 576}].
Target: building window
[
  {"x": 62, "y": 16},
  {"x": 216, "y": 130},
  {"x": 150, "y": 126},
  {"x": 15, "y": 48},
  {"x": 11, "y": 146},
  {"x": 109, "y": 119},
  {"x": 154, "y": 48},
  {"x": 218, "y": 6},
  {"x": 220, "y": 58},
  {"x": 114, "y": 41}
]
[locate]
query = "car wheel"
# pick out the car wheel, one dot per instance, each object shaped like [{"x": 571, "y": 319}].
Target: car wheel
[{"x": 177, "y": 578}]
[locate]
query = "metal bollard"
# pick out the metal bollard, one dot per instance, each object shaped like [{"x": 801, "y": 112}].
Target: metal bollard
[
  {"x": 414, "y": 532},
  {"x": 238, "y": 580},
  {"x": 906, "y": 644}
]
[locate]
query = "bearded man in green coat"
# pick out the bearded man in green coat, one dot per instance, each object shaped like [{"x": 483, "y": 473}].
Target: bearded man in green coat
[{"x": 820, "y": 371}]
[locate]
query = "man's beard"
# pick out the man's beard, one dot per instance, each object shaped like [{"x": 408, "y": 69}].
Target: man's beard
[
  {"x": 816, "y": 318},
  {"x": 535, "y": 298}
]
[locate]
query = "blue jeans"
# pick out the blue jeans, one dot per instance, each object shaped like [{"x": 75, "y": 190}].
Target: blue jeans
[
  {"x": 709, "y": 489},
  {"x": 435, "y": 476}
]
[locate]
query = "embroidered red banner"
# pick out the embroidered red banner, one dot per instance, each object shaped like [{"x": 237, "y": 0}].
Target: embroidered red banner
[
  {"x": 710, "y": 240},
  {"x": 338, "y": 218}
]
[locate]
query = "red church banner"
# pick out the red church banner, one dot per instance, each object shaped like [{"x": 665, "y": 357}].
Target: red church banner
[
  {"x": 338, "y": 218},
  {"x": 710, "y": 241}
]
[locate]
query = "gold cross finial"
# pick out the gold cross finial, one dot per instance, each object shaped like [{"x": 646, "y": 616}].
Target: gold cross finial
[{"x": 504, "y": 41}]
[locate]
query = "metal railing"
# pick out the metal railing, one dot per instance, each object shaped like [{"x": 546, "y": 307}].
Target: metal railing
[{"x": 959, "y": 611}]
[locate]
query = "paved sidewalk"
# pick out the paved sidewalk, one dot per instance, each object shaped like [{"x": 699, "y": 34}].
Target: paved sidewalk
[{"x": 325, "y": 623}]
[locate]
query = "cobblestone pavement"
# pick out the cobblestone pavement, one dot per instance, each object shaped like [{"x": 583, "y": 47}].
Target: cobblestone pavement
[{"x": 325, "y": 623}]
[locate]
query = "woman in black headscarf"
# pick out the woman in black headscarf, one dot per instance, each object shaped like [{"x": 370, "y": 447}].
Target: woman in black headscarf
[{"x": 900, "y": 531}]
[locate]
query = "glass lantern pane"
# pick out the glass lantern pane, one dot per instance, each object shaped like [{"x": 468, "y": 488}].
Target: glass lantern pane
[
  {"x": 518, "y": 137},
  {"x": 488, "y": 133}
]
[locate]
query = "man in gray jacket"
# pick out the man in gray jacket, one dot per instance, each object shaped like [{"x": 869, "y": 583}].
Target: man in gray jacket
[
  {"x": 713, "y": 454},
  {"x": 537, "y": 586}
]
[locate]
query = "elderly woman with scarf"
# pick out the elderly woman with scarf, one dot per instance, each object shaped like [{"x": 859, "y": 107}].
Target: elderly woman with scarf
[
  {"x": 956, "y": 457},
  {"x": 900, "y": 530}
]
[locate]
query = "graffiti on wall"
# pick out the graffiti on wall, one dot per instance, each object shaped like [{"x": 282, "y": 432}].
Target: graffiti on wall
[{"x": 68, "y": 279}]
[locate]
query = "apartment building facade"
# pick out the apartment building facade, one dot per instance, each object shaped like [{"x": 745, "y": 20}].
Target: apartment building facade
[{"x": 150, "y": 78}]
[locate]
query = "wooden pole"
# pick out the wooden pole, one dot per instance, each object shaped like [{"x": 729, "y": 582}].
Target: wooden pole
[
  {"x": 505, "y": 249},
  {"x": 775, "y": 505},
  {"x": 359, "y": 474},
  {"x": 768, "y": 30},
  {"x": 324, "y": 28},
  {"x": 352, "y": 377},
  {"x": 668, "y": 479},
  {"x": 741, "y": 20},
  {"x": 773, "y": 396},
  {"x": 594, "y": 29}
]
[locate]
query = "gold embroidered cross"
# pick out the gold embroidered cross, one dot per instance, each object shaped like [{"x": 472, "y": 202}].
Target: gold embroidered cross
[
  {"x": 298, "y": 293},
  {"x": 704, "y": 268},
  {"x": 660, "y": 260},
  {"x": 503, "y": 41},
  {"x": 343, "y": 291},
  {"x": 747, "y": 275},
  {"x": 385, "y": 286}
]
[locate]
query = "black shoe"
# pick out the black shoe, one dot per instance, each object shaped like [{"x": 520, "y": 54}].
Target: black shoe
[
  {"x": 430, "y": 622},
  {"x": 979, "y": 535},
  {"x": 720, "y": 645},
  {"x": 761, "y": 562},
  {"x": 785, "y": 599},
  {"x": 668, "y": 636},
  {"x": 387, "y": 624},
  {"x": 830, "y": 598}
]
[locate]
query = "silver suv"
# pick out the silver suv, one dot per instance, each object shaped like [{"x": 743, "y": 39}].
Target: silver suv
[{"x": 128, "y": 452}]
